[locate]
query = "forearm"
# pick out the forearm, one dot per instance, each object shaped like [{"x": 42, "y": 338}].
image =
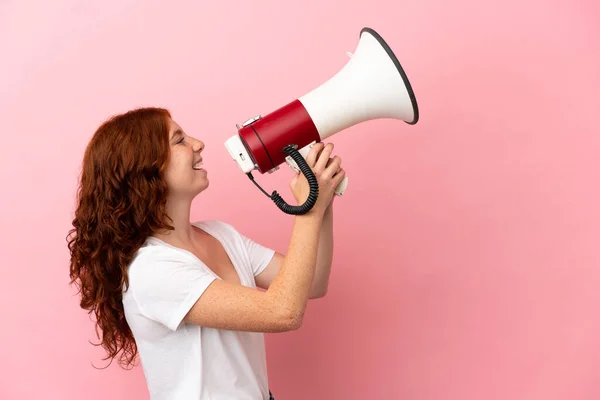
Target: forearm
[
  {"x": 291, "y": 288},
  {"x": 324, "y": 256}
]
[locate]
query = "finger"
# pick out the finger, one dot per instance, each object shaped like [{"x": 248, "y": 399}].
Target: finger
[
  {"x": 333, "y": 167},
  {"x": 331, "y": 160},
  {"x": 339, "y": 176},
  {"x": 313, "y": 153},
  {"x": 324, "y": 156}
]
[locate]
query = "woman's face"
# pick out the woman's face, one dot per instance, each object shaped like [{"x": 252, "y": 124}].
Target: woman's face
[{"x": 184, "y": 174}]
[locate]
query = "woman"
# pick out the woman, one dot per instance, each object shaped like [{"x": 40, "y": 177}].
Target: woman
[{"x": 184, "y": 296}]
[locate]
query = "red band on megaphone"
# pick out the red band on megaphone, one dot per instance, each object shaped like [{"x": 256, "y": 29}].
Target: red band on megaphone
[{"x": 266, "y": 137}]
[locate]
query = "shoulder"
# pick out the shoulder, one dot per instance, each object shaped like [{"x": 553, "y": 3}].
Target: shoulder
[
  {"x": 154, "y": 251},
  {"x": 218, "y": 226},
  {"x": 155, "y": 259},
  {"x": 215, "y": 223}
]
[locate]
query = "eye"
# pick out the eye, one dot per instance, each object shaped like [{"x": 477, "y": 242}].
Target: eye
[{"x": 180, "y": 140}]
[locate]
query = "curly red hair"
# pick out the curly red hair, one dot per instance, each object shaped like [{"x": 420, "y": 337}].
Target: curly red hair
[{"x": 121, "y": 200}]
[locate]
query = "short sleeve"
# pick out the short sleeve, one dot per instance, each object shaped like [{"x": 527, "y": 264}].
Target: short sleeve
[
  {"x": 167, "y": 287},
  {"x": 259, "y": 255}
]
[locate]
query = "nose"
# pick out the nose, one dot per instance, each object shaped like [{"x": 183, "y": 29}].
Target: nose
[{"x": 198, "y": 145}]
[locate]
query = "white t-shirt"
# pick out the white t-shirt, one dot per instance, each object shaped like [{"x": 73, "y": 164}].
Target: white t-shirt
[{"x": 183, "y": 361}]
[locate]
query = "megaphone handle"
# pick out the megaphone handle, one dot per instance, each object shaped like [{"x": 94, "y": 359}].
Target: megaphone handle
[
  {"x": 291, "y": 151},
  {"x": 342, "y": 186}
]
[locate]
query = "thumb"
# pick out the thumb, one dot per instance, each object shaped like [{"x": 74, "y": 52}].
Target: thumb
[{"x": 294, "y": 180}]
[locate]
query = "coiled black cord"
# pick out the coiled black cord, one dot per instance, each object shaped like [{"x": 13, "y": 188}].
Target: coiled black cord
[{"x": 310, "y": 177}]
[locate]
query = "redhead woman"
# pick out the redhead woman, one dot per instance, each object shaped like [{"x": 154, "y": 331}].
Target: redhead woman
[{"x": 183, "y": 295}]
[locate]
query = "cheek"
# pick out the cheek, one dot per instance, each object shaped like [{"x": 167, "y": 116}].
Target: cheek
[
  {"x": 179, "y": 160},
  {"x": 177, "y": 164}
]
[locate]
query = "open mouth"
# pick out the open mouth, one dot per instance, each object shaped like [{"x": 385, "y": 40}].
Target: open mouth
[{"x": 197, "y": 166}]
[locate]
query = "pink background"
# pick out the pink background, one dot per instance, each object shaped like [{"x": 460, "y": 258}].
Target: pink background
[{"x": 476, "y": 274}]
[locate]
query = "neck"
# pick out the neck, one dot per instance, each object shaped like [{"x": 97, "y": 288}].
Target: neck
[{"x": 179, "y": 210}]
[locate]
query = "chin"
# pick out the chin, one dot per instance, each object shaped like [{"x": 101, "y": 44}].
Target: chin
[{"x": 202, "y": 186}]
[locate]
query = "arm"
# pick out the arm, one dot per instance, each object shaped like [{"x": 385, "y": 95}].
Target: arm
[
  {"x": 281, "y": 308},
  {"x": 324, "y": 261},
  {"x": 324, "y": 256}
]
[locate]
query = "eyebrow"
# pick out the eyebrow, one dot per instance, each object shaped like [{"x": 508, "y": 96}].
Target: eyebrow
[{"x": 177, "y": 132}]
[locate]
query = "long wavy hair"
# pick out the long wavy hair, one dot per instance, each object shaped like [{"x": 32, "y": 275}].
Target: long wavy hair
[{"x": 121, "y": 200}]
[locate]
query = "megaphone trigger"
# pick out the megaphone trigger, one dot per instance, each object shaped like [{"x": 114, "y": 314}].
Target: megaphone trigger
[
  {"x": 292, "y": 164},
  {"x": 304, "y": 152}
]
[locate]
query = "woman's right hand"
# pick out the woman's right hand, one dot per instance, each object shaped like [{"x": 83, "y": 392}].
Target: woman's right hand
[{"x": 328, "y": 172}]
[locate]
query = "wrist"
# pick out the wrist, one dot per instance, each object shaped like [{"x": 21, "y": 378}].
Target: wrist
[
  {"x": 328, "y": 213},
  {"x": 329, "y": 209},
  {"x": 313, "y": 216}
]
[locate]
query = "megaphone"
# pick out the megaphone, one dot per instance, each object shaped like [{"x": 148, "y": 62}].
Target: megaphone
[{"x": 372, "y": 85}]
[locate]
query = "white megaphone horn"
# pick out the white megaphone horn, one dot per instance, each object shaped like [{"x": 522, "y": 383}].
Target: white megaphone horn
[{"x": 371, "y": 85}]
